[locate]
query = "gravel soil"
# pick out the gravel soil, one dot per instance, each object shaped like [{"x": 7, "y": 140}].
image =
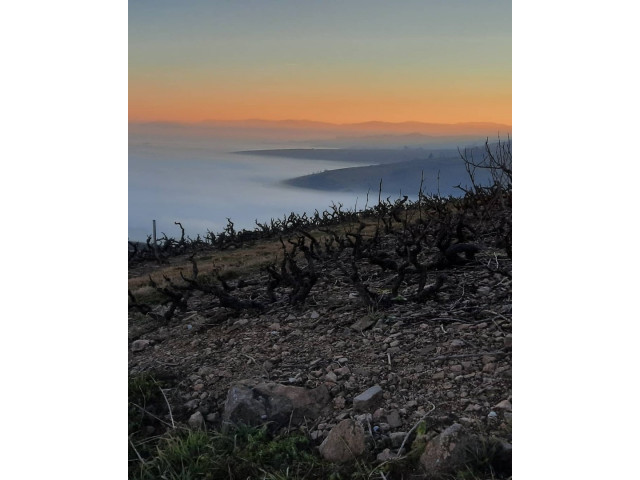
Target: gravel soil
[{"x": 452, "y": 351}]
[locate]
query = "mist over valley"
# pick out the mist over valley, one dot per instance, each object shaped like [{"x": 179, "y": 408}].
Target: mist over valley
[{"x": 201, "y": 174}]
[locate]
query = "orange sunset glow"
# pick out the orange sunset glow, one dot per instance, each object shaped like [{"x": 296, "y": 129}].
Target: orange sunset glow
[
  {"x": 339, "y": 107},
  {"x": 346, "y": 62}
]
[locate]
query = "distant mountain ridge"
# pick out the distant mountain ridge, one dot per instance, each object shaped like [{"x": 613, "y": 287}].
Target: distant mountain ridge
[
  {"x": 375, "y": 126},
  {"x": 360, "y": 156},
  {"x": 373, "y": 134}
]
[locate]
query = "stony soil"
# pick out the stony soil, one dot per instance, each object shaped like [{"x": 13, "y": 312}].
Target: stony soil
[{"x": 452, "y": 352}]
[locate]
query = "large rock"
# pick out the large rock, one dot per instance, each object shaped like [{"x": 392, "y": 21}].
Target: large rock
[
  {"x": 455, "y": 449},
  {"x": 438, "y": 451},
  {"x": 344, "y": 443},
  {"x": 251, "y": 404}
]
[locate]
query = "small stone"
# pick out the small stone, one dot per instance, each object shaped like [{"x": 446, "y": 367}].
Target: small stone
[
  {"x": 397, "y": 438},
  {"x": 196, "y": 420},
  {"x": 212, "y": 417},
  {"x": 332, "y": 377},
  {"x": 438, "y": 376},
  {"x": 455, "y": 368},
  {"x": 384, "y": 427},
  {"x": 393, "y": 419},
  {"x": 484, "y": 291},
  {"x": 507, "y": 341},
  {"x": 369, "y": 399},
  {"x": 489, "y": 367},
  {"x": 314, "y": 315},
  {"x": 198, "y": 387},
  {"x": 339, "y": 403},
  {"x": 363, "y": 324},
  {"x": 363, "y": 418},
  {"x": 342, "y": 371},
  {"x": 504, "y": 405},
  {"x": 457, "y": 343},
  {"x": 139, "y": 345},
  {"x": 192, "y": 404},
  {"x": 378, "y": 414},
  {"x": 385, "y": 455},
  {"x": 204, "y": 371},
  {"x": 492, "y": 416}
]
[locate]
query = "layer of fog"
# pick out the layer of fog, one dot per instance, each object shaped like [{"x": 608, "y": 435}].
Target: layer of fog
[
  {"x": 187, "y": 173},
  {"x": 201, "y": 187}
]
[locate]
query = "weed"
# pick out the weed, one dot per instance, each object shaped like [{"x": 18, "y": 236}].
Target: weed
[
  {"x": 242, "y": 453},
  {"x": 480, "y": 457},
  {"x": 146, "y": 408}
]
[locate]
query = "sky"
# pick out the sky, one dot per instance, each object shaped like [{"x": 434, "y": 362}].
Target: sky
[{"x": 445, "y": 61}]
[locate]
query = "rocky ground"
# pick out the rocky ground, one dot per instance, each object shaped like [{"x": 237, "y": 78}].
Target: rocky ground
[{"x": 447, "y": 360}]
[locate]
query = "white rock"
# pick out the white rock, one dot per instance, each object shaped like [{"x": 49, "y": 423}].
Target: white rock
[{"x": 196, "y": 420}]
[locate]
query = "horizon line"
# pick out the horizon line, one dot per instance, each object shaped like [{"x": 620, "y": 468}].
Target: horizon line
[{"x": 306, "y": 120}]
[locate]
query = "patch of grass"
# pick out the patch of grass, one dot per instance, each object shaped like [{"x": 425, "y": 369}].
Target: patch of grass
[
  {"x": 149, "y": 295},
  {"x": 144, "y": 394},
  {"x": 230, "y": 274},
  {"x": 249, "y": 452},
  {"x": 482, "y": 457},
  {"x": 240, "y": 454},
  {"x": 146, "y": 409},
  {"x": 255, "y": 452}
]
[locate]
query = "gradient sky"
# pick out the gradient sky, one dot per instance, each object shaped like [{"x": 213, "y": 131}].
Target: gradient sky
[{"x": 337, "y": 61}]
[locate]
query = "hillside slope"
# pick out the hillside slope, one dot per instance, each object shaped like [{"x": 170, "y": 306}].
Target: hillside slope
[
  {"x": 440, "y": 174},
  {"x": 386, "y": 300}
]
